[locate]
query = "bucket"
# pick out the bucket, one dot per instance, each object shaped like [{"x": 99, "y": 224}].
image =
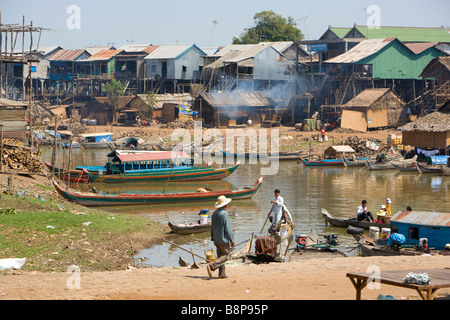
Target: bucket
[
  {"x": 374, "y": 233},
  {"x": 385, "y": 233},
  {"x": 203, "y": 219}
]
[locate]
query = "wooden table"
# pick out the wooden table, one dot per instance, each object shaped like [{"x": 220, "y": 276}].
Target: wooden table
[{"x": 439, "y": 278}]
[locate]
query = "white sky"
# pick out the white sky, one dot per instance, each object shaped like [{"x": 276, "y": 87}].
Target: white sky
[{"x": 104, "y": 22}]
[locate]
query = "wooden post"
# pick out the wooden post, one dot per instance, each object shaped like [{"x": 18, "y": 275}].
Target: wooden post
[
  {"x": 55, "y": 143},
  {"x": 1, "y": 148}
]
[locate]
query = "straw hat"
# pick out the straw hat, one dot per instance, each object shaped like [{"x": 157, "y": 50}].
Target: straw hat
[
  {"x": 383, "y": 207},
  {"x": 222, "y": 201}
]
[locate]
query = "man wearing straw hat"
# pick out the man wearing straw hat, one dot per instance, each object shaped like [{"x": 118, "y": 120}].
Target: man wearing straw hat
[{"x": 222, "y": 235}]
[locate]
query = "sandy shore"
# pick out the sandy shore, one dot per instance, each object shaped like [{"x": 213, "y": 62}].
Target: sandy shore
[{"x": 312, "y": 279}]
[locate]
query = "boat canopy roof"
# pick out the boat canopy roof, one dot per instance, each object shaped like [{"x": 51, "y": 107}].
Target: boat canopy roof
[
  {"x": 126, "y": 156},
  {"x": 97, "y": 137},
  {"x": 430, "y": 218}
]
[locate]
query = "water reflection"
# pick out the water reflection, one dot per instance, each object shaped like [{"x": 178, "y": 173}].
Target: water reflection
[{"x": 305, "y": 190}]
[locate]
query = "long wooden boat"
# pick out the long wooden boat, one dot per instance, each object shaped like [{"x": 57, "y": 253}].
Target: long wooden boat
[
  {"x": 360, "y": 162},
  {"x": 280, "y": 156},
  {"x": 322, "y": 162},
  {"x": 405, "y": 167},
  {"x": 370, "y": 248},
  {"x": 73, "y": 175},
  {"x": 95, "y": 140},
  {"x": 143, "y": 166},
  {"x": 189, "y": 228},
  {"x": 445, "y": 170},
  {"x": 94, "y": 199},
  {"x": 428, "y": 169},
  {"x": 379, "y": 166},
  {"x": 345, "y": 222}
]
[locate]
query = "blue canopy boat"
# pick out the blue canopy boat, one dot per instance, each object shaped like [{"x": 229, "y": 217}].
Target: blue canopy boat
[{"x": 417, "y": 225}]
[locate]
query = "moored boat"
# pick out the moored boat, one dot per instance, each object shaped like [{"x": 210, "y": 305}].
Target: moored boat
[
  {"x": 128, "y": 166},
  {"x": 405, "y": 167},
  {"x": 345, "y": 222},
  {"x": 445, "y": 170},
  {"x": 379, "y": 165},
  {"x": 428, "y": 168},
  {"x": 95, "y": 199},
  {"x": 189, "y": 228},
  {"x": 359, "y": 162},
  {"x": 95, "y": 140},
  {"x": 322, "y": 162},
  {"x": 71, "y": 175}
]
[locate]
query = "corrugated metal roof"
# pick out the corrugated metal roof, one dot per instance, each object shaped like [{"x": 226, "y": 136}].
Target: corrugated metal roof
[
  {"x": 250, "y": 52},
  {"x": 422, "y": 218},
  {"x": 170, "y": 51},
  {"x": 94, "y": 50},
  {"x": 67, "y": 55},
  {"x": 418, "y": 47},
  {"x": 444, "y": 48},
  {"x": 232, "y": 47},
  {"x": 11, "y": 103},
  {"x": 238, "y": 99},
  {"x": 103, "y": 55},
  {"x": 153, "y": 156},
  {"x": 362, "y": 50},
  {"x": 134, "y": 47},
  {"x": 407, "y": 34},
  {"x": 342, "y": 148}
]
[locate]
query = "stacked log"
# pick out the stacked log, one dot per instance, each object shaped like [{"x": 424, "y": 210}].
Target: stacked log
[
  {"x": 178, "y": 124},
  {"x": 18, "y": 158}
]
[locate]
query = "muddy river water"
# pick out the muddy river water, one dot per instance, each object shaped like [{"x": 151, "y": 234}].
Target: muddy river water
[{"x": 305, "y": 191}]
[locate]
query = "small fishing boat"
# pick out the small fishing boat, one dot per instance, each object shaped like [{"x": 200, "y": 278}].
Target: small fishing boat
[
  {"x": 379, "y": 165},
  {"x": 405, "y": 167},
  {"x": 359, "y": 162},
  {"x": 278, "y": 156},
  {"x": 417, "y": 225},
  {"x": 189, "y": 228},
  {"x": 95, "y": 199},
  {"x": 322, "y": 162},
  {"x": 445, "y": 170},
  {"x": 345, "y": 222},
  {"x": 428, "y": 168},
  {"x": 137, "y": 166},
  {"x": 369, "y": 248},
  {"x": 95, "y": 140},
  {"x": 71, "y": 175}
]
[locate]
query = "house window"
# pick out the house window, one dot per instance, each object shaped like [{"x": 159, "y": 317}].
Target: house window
[
  {"x": 184, "y": 69},
  {"x": 413, "y": 233},
  {"x": 153, "y": 68}
]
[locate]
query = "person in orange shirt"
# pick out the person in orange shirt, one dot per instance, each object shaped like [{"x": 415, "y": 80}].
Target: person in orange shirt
[{"x": 388, "y": 206}]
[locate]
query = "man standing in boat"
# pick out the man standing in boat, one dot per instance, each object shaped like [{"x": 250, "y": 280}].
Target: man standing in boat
[
  {"x": 277, "y": 209},
  {"x": 222, "y": 235}
]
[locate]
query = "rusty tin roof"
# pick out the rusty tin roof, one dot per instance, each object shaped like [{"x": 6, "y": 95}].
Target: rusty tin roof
[{"x": 427, "y": 218}]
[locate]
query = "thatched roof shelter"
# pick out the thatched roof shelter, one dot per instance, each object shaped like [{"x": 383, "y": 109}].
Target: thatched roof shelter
[
  {"x": 439, "y": 69},
  {"x": 430, "y": 131},
  {"x": 374, "y": 108}
]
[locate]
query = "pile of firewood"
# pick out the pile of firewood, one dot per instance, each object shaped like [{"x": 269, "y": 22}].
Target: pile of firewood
[
  {"x": 366, "y": 147},
  {"x": 177, "y": 124},
  {"x": 18, "y": 158}
]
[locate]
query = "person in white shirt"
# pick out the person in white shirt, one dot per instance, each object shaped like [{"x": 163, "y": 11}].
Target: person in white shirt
[
  {"x": 363, "y": 213},
  {"x": 277, "y": 208}
]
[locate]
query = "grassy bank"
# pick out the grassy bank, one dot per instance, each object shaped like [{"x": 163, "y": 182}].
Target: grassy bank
[{"x": 54, "y": 234}]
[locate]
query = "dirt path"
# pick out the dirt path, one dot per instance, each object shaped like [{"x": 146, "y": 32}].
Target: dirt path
[{"x": 313, "y": 279}]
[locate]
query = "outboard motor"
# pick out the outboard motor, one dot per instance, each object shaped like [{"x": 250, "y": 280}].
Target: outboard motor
[
  {"x": 332, "y": 239},
  {"x": 300, "y": 240}
]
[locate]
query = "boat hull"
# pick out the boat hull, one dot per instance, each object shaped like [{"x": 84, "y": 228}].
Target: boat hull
[
  {"x": 344, "y": 223},
  {"x": 191, "y": 174},
  {"x": 189, "y": 229},
  {"x": 91, "y": 199},
  {"x": 426, "y": 169}
]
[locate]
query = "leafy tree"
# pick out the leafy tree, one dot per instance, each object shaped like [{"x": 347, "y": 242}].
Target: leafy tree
[
  {"x": 270, "y": 26},
  {"x": 114, "y": 89}
]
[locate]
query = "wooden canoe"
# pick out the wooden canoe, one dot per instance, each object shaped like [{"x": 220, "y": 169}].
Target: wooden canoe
[
  {"x": 345, "y": 222},
  {"x": 379, "y": 166},
  {"x": 280, "y": 156},
  {"x": 428, "y": 169},
  {"x": 445, "y": 170},
  {"x": 405, "y": 167},
  {"x": 322, "y": 162},
  {"x": 182, "y": 228},
  {"x": 73, "y": 175},
  {"x": 95, "y": 199},
  {"x": 361, "y": 162}
]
